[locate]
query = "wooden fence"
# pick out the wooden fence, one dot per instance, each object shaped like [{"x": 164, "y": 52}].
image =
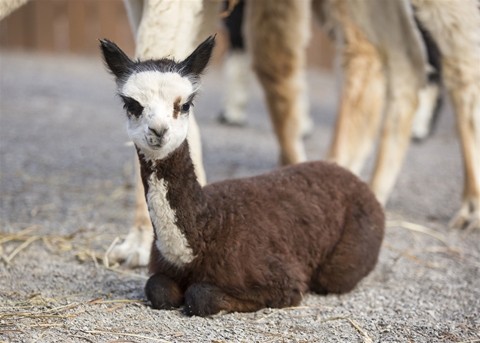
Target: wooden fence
[{"x": 74, "y": 26}]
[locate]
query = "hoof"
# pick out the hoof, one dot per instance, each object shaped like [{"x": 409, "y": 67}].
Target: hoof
[
  {"x": 163, "y": 293},
  {"x": 134, "y": 251},
  {"x": 467, "y": 218},
  {"x": 202, "y": 299},
  {"x": 226, "y": 120}
]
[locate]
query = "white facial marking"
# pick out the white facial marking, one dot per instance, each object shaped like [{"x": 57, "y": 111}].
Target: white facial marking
[
  {"x": 170, "y": 241},
  {"x": 157, "y": 92}
]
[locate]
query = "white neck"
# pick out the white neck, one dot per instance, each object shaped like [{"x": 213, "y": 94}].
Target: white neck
[{"x": 170, "y": 241}]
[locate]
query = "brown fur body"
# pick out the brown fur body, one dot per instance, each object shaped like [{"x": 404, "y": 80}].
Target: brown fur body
[{"x": 264, "y": 241}]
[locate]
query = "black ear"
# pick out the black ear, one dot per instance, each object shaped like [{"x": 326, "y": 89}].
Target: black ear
[
  {"x": 198, "y": 60},
  {"x": 116, "y": 60}
]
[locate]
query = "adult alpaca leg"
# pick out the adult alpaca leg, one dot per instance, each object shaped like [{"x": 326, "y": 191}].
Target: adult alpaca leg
[
  {"x": 430, "y": 97},
  {"x": 159, "y": 35},
  {"x": 456, "y": 29},
  {"x": 156, "y": 37},
  {"x": 390, "y": 27},
  {"x": 235, "y": 69},
  {"x": 277, "y": 36},
  {"x": 134, "y": 251},
  {"x": 363, "y": 91}
]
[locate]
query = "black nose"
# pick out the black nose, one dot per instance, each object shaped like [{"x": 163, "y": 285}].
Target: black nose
[{"x": 158, "y": 132}]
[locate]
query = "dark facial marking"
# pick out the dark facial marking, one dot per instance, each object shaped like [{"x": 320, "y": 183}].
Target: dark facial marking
[
  {"x": 182, "y": 109},
  {"x": 132, "y": 106},
  {"x": 176, "y": 107}
]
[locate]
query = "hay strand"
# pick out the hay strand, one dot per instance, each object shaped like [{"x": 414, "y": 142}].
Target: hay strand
[
  {"x": 417, "y": 228},
  {"x": 366, "y": 337},
  {"x": 106, "y": 262},
  {"x": 21, "y": 247}
]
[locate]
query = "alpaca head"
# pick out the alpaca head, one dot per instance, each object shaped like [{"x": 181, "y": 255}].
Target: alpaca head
[{"x": 157, "y": 95}]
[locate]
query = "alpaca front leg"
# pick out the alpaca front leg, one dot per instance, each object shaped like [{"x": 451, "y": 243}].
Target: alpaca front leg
[
  {"x": 236, "y": 66},
  {"x": 278, "y": 32},
  {"x": 360, "y": 112},
  {"x": 467, "y": 107},
  {"x": 427, "y": 111},
  {"x": 405, "y": 75},
  {"x": 236, "y": 73},
  {"x": 163, "y": 292},
  {"x": 134, "y": 251},
  {"x": 362, "y": 97},
  {"x": 429, "y": 98},
  {"x": 455, "y": 27},
  {"x": 395, "y": 137}
]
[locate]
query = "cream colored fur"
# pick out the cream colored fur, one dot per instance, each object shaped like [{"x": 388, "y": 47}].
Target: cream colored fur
[
  {"x": 456, "y": 28},
  {"x": 278, "y": 32},
  {"x": 388, "y": 26},
  {"x": 8, "y": 6},
  {"x": 237, "y": 77},
  {"x": 404, "y": 62},
  {"x": 427, "y": 101},
  {"x": 362, "y": 93},
  {"x": 165, "y": 28}
]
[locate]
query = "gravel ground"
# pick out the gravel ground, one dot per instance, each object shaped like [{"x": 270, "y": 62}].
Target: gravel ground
[{"x": 66, "y": 188}]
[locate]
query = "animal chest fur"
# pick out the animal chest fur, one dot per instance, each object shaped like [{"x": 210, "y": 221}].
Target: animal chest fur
[{"x": 170, "y": 240}]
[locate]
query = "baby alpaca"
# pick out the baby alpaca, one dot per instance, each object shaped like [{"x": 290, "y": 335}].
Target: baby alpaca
[{"x": 245, "y": 244}]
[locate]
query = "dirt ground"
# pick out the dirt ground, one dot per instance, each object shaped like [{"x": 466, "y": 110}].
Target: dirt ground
[{"x": 66, "y": 189}]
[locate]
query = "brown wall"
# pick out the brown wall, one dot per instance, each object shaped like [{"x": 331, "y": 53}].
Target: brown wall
[{"x": 74, "y": 26}]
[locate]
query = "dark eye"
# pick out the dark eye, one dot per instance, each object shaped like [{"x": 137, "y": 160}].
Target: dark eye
[
  {"x": 132, "y": 106},
  {"x": 186, "y": 107}
]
